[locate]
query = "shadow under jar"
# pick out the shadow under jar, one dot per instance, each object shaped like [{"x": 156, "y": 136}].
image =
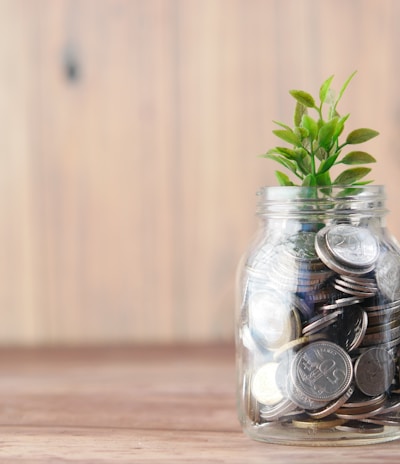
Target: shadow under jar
[{"x": 318, "y": 319}]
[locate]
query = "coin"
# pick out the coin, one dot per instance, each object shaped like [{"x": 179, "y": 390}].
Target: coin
[
  {"x": 382, "y": 337},
  {"x": 322, "y": 370},
  {"x": 294, "y": 345},
  {"x": 391, "y": 405},
  {"x": 374, "y": 371},
  {"x": 321, "y": 424},
  {"x": 383, "y": 316},
  {"x": 360, "y": 280},
  {"x": 319, "y": 322},
  {"x": 271, "y": 319},
  {"x": 352, "y": 291},
  {"x": 382, "y": 420},
  {"x": 368, "y": 288},
  {"x": 351, "y": 415},
  {"x": 273, "y": 413},
  {"x": 388, "y": 274},
  {"x": 333, "y": 406},
  {"x": 341, "y": 303},
  {"x": 355, "y": 426},
  {"x": 353, "y": 246},
  {"x": 358, "y": 400},
  {"x": 300, "y": 246},
  {"x": 316, "y": 303},
  {"x": 301, "y": 399},
  {"x": 350, "y": 328},
  {"x": 383, "y": 327},
  {"x": 264, "y": 387}
]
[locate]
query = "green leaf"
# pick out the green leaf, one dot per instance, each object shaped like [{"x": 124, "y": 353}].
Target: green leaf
[
  {"x": 323, "y": 91},
  {"x": 342, "y": 90},
  {"x": 351, "y": 175},
  {"x": 287, "y": 152},
  {"x": 302, "y": 133},
  {"x": 303, "y": 160},
  {"x": 283, "y": 179},
  {"x": 292, "y": 166},
  {"x": 363, "y": 182},
  {"x": 299, "y": 112},
  {"x": 321, "y": 153},
  {"x": 303, "y": 97},
  {"x": 360, "y": 136},
  {"x": 326, "y": 132},
  {"x": 309, "y": 181},
  {"x": 287, "y": 136},
  {"x": 328, "y": 163},
  {"x": 358, "y": 157},
  {"x": 349, "y": 192},
  {"x": 340, "y": 126},
  {"x": 311, "y": 125},
  {"x": 281, "y": 124},
  {"x": 323, "y": 179}
]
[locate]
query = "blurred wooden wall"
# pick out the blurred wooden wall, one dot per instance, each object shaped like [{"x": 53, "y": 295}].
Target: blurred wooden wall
[{"x": 130, "y": 131}]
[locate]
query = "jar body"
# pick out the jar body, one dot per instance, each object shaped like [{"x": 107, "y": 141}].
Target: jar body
[{"x": 318, "y": 320}]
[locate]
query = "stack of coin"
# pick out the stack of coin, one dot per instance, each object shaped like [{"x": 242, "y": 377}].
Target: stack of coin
[
  {"x": 295, "y": 266},
  {"x": 325, "y": 318},
  {"x": 347, "y": 249}
]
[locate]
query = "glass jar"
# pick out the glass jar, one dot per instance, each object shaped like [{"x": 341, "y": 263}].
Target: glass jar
[{"x": 318, "y": 319}]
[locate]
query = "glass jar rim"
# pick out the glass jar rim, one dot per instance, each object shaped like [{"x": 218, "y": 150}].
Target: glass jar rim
[{"x": 283, "y": 200}]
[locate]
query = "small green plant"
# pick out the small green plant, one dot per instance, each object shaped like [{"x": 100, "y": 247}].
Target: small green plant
[{"x": 315, "y": 146}]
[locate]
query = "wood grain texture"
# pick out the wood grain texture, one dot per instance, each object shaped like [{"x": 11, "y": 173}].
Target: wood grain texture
[
  {"x": 138, "y": 404},
  {"x": 129, "y": 167}
]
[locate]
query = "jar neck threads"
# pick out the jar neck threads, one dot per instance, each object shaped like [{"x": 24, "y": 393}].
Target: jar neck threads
[{"x": 313, "y": 203}]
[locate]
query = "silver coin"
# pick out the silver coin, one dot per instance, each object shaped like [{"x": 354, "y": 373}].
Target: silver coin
[
  {"x": 317, "y": 323},
  {"x": 303, "y": 308},
  {"x": 352, "y": 246},
  {"x": 359, "y": 426},
  {"x": 382, "y": 327},
  {"x": 388, "y": 275},
  {"x": 385, "y": 306},
  {"x": 301, "y": 247},
  {"x": 383, "y": 316},
  {"x": 271, "y": 319},
  {"x": 379, "y": 338},
  {"x": 382, "y": 420},
  {"x": 322, "y": 370},
  {"x": 341, "y": 303},
  {"x": 351, "y": 291},
  {"x": 301, "y": 399},
  {"x": 392, "y": 405},
  {"x": 336, "y": 266},
  {"x": 323, "y": 295},
  {"x": 357, "y": 286},
  {"x": 350, "y": 329},
  {"x": 374, "y": 371},
  {"x": 350, "y": 415},
  {"x": 364, "y": 281},
  {"x": 264, "y": 387},
  {"x": 359, "y": 400},
  {"x": 340, "y": 255},
  {"x": 274, "y": 413},
  {"x": 333, "y": 406}
]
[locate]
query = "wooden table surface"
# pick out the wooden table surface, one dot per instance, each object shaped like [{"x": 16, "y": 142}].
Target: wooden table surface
[{"x": 138, "y": 405}]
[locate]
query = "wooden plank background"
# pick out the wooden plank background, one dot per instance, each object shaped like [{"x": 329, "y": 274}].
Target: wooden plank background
[{"x": 130, "y": 131}]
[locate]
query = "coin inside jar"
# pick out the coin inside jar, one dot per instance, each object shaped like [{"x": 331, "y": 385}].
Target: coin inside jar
[
  {"x": 264, "y": 387},
  {"x": 347, "y": 250},
  {"x": 374, "y": 371},
  {"x": 322, "y": 370},
  {"x": 353, "y": 246},
  {"x": 273, "y": 321}
]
